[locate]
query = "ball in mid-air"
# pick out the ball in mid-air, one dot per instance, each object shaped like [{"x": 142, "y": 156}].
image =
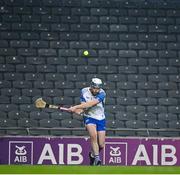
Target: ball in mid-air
[{"x": 86, "y": 53}]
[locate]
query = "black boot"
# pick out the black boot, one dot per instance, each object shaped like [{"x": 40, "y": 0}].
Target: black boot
[
  {"x": 91, "y": 158},
  {"x": 97, "y": 162}
]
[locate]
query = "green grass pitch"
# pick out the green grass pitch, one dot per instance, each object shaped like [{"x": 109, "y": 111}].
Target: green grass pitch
[{"x": 59, "y": 169}]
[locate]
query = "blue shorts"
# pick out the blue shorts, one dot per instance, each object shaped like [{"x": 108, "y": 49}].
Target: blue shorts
[{"x": 100, "y": 124}]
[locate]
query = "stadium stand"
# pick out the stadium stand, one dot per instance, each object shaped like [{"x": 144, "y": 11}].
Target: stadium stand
[{"x": 133, "y": 46}]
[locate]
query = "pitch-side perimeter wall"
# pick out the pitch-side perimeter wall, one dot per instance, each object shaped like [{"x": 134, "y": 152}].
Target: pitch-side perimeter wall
[{"x": 74, "y": 151}]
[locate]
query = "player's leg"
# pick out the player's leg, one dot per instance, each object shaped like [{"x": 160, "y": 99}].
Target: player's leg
[
  {"x": 101, "y": 129},
  {"x": 101, "y": 133},
  {"x": 91, "y": 128},
  {"x": 101, "y": 139},
  {"x": 90, "y": 125}
]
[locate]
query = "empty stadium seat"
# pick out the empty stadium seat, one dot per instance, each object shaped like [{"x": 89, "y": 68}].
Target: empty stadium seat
[
  {"x": 125, "y": 133},
  {"x": 80, "y": 133},
  {"x": 124, "y": 116},
  {"x": 56, "y": 132},
  {"x": 156, "y": 124},
  {"x": 70, "y": 123},
  {"x": 38, "y": 115},
  {"x": 114, "y": 108},
  {"x": 115, "y": 93},
  {"x": 169, "y": 134},
  {"x": 60, "y": 115},
  {"x": 3, "y": 115},
  {"x": 17, "y": 114},
  {"x": 50, "y": 123},
  {"x": 156, "y": 93},
  {"x": 174, "y": 124},
  {"x": 167, "y": 117},
  {"x": 114, "y": 124},
  {"x": 25, "y": 122},
  {"x": 17, "y": 132},
  {"x": 146, "y": 116},
  {"x": 135, "y": 93},
  {"x": 39, "y": 132},
  {"x": 8, "y": 123},
  {"x": 135, "y": 124}
]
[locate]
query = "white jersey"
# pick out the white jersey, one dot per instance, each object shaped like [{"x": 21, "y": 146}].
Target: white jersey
[{"x": 97, "y": 111}]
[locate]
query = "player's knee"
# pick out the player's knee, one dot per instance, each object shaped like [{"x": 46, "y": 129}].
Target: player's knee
[{"x": 93, "y": 137}]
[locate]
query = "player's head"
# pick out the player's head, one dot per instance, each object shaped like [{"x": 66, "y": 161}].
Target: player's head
[{"x": 96, "y": 85}]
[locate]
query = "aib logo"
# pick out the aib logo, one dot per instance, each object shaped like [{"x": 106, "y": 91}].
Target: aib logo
[
  {"x": 20, "y": 152},
  {"x": 115, "y": 153}
]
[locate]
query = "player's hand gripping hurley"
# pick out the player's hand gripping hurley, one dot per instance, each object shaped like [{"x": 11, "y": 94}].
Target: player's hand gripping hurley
[{"x": 40, "y": 103}]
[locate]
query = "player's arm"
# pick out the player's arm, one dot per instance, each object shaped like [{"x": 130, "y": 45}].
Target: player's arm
[
  {"x": 84, "y": 105},
  {"x": 88, "y": 104},
  {"x": 77, "y": 111}
]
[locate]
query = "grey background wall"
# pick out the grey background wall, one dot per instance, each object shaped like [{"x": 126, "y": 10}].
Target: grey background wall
[{"x": 133, "y": 46}]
